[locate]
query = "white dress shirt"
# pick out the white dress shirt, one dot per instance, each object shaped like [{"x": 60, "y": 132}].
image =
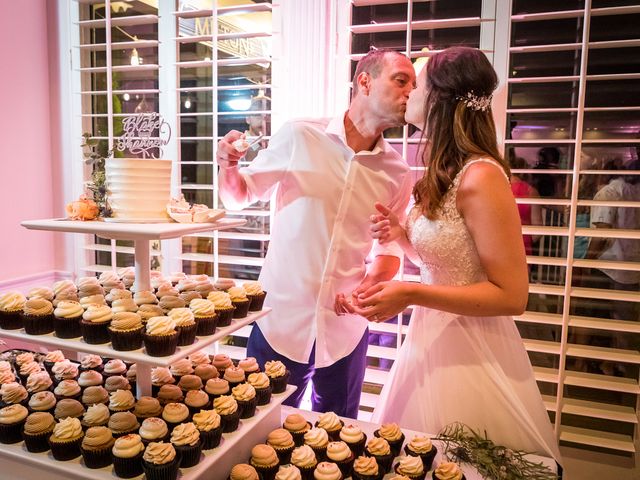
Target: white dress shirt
[{"x": 325, "y": 195}]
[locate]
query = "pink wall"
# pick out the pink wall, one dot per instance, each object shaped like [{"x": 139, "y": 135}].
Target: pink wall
[{"x": 26, "y": 161}]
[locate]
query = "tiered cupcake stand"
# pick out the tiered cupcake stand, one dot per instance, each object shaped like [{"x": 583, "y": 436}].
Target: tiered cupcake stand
[{"x": 17, "y": 462}]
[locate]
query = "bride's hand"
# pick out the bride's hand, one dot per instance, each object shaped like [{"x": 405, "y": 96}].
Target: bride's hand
[
  {"x": 382, "y": 301},
  {"x": 385, "y": 225}
]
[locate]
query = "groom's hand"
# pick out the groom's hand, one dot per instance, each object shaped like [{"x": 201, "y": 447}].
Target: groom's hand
[
  {"x": 227, "y": 155},
  {"x": 342, "y": 305}
]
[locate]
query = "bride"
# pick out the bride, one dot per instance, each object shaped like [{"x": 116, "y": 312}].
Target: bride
[{"x": 463, "y": 359}]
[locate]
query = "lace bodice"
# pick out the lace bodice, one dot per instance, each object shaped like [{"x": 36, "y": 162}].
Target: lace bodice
[{"x": 446, "y": 249}]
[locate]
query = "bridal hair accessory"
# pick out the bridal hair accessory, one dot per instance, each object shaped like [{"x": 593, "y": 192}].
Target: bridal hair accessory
[{"x": 475, "y": 102}]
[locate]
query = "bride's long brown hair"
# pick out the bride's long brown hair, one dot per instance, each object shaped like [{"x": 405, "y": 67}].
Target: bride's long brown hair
[{"x": 455, "y": 131}]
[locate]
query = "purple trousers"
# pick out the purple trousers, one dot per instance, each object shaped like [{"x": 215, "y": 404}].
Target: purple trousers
[{"x": 335, "y": 388}]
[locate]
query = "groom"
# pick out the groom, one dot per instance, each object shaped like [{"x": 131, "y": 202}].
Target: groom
[{"x": 326, "y": 175}]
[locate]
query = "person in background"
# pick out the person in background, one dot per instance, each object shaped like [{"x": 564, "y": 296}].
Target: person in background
[{"x": 326, "y": 175}]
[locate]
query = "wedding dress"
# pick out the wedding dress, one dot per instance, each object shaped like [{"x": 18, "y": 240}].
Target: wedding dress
[{"x": 455, "y": 368}]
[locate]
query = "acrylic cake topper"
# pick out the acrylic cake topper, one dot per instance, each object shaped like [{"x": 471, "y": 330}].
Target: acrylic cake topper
[{"x": 137, "y": 136}]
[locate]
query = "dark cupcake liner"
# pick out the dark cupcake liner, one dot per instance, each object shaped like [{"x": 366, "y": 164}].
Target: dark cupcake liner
[
  {"x": 11, "y": 433},
  {"x": 126, "y": 432},
  {"x": 168, "y": 471},
  {"x": 434, "y": 477},
  {"x": 411, "y": 477},
  {"x": 95, "y": 333},
  {"x": 67, "y": 327},
  {"x": 160, "y": 345},
  {"x": 211, "y": 438},
  {"x": 307, "y": 472},
  {"x": 172, "y": 425},
  {"x": 225, "y": 315},
  {"x": 147, "y": 441},
  {"x": 242, "y": 308},
  {"x": 38, "y": 324},
  {"x": 357, "y": 476},
  {"x": 63, "y": 451},
  {"x": 257, "y": 301},
  {"x": 384, "y": 461},
  {"x": 321, "y": 453},
  {"x": 96, "y": 458},
  {"x": 427, "y": 458},
  {"x": 127, "y": 467},
  {"x": 298, "y": 437},
  {"x": 193, "y": 410},
  {"x": 284, "y": 454},
  {"x": 189, "y": 454},
  {"x": 279, "y": 384},
  {"x": 334, "y": 435},
  {"x": 48, "y": 410},
  {"x": 11, "y": 320},
  {"x": 263, "y": 395},
  {"x": 213, "y": 396},
  {"x": 395, "y": 445},
  {"x": 358, "y": 448},
  {"x": 37, "y": 443},
  {"x": 230, "y": 422},
  {"x": 247, "y": 407},
  {"x": 126, "y": 340},
  {"x": 206, "y": 325},
  {"x": 266, "y": 473},
  {"x": 187, "y": 334},
  {"x": 345, "y": 466}
]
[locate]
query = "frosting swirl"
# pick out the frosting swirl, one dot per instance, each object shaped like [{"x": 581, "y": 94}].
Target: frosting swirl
[
  {"x": 127, "y": 446},
  {"x": 351, "y": 434},
  {"x": 126, "y": 322},
  {"x": 38, "y": 306},
  {"x": 249, "y": 365},
  {"x": 296, "y": 423},
  {"x": 68, "y": 407},
  {"x": 41, "y": 292},
  {"x": 161, "y": 326},
  {"x": 288, "y": 472},
  {"x": 97, "y": 437},
  {"x": 97, "y": 299},
  {"x": 275, "y": 368},
  {"x": 378, "y": 446},
  {"x": 96, "y": 415},
  {"x": 148, "y": 311},
  {"x": 95, "y": 394},
  {"x": 42, "y": 401},
  {"x": 123, "y": 422},
  {"x": 448, "y": 471},
  {"x": 242, "y": 471},
  {"x": 280, "y": 439},
  {"x": 181, "y": 367},
  {"x": 38, "y": 382},
  {"x": 263, "y": 456},
  {"x": 410, "y": 466},
  {"x": 13, "y": 414},
  {"x": 115, "y": 367},
  {"x": 258, "y": 380},
  {"x": 67, "y": 429},
  {"x": 327, "y": 471},
  {"x": 206, "y": 420},
  {"x": 183, "y": 317},
  {"x": 252, "y": 288},
  {"x": 90, "y": 361},
  {"x": 217, "y": 386},
  {"x": 366, "y": 466},
  {"x": 124, "y": 305},
  {"x": 338, "y": 451},
  {"x": 220, "y": 300},
  {"x": 243, "y": 392},
  {"x": 202, "y": 308},
  {"x": 234, "y": 374},
  {"x": 316, "y": 437},
  {"x": 168, "y": 303},
  {"x": 39, "y": 422},
  {"x": 161, "y": 376},
  {"x": 54, "y": 356},
  {"x": 390, "y": 432},
  {"x": 121, "y": 400},
  {"x": 185, "y": 434},
  {"x": 97, "y": 314},
  {"x": 175, "y": 412},
  {"x": 199, "y": 358},
  {"x": 153, "y": 428},
  {"x": 144, "y": 297},
  {"x": 420, "y": 444},
  {"x": 13, "y": 393},
  {"x": 159, "y": 453},
  {"x": 237, "y": 294},
  {"x": 225, "y": 405},
  {"x": 12, "y": 302},
  {"x": 303, "y": 457}
]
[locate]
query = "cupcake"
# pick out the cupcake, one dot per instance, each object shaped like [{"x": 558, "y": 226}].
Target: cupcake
[
  {"x": 216, "y": 387},
  {"x": 327, "y": 471},
  {"x": 186, "y": 285},
  {"x": 265, "y": 461},
  {"x": 297, "y": 426},
  {"x": 234, "y": 375},
  {"x": 204, "y": 312},
  {"x": 12, "y": 420},
  {"x": 94, "y": 395},
  {"x": 175, "y": 414},
  {"x": 203, "y": 285},
  {"x": 65, "y": 297},
  {"x": 340, "y": 453},
  {"x": 160, "y": 461},
  {"x": 96, "y": 447},
  {"x": 288, "y": 472},
  {"x": 447, "y": 471},
  {"x": 255, "y": 294},
  {"x": 90, "y": 378},
  {"x": 223, "y": 307},
  {"x": 148, "y": 311},
  {"x": 11, "y": 306},
  {"x": 117, "y": 382},
  {"x": 95, "y": 324},
  {"x": 65, "y": 370},
  {"x": 282, "y": 442},
  {"x": 304, "y": 458},
  {"x": 160, "y": 376},
  {"x": 188, "y": 296},
  {"x": 318, "y": 440},
  {"x": 196, "y": 400},
  {"x": 366, "y": 468},
  {"x": 169, "y": 303},
  {"x": 145, "y": 297},
  {"x": 97, "y": 299},
  {"x": 167, "y": 290},
  {"x": 160, "y": 337},
  {"x": 51, "y": 358},
  {"x": 124, "y": 305},
  {"x": 154, "y": 430},
  {"x": 245, "y": 395},
  {"x": 330, "y": 422},
  {"x": 14, "y": 394},
  {"x": 68, "y": 407},
  {"x": 66, "y": 439},
  {"x": 123, "y": 423},
  {"x": 170, "y": 394},
  {"x": 42, "y": 402},
  {"x": 114, "y": 367},
  {"x": 411, "y": 467},
  {"x": 355, "y": 438},
  {"x": 88, "y": 286},
  {"x": 242, "y": 471},
  {"x": 227, "y": 407},
  {"x": 67, "y": 389},
  {"x": 379, "y": 449},
  {"x": 91, "y": 361},
  {"x": 209, "y": 425},
  {"x": 147, "y": 407},
  {"x": 205, "y": 372},
  {"x": 185, "y": 438},
  {"x": 37, "y": 429},
  {"x": 421, "y": 446},
  {"x": 260, "y": 382},
  {"x": 117, "y": 294},
  {"x": 97, "y": 415},
  {"x": 392, "y": 434},
  {"x": 125, "y": 331},
  {"x": 29, "y": 368},
  {"x": 185, "y": 325},
  {"x": 278, "y": 375},
  {"x": 221, "y": 361},
  {"x": 239, "y": 300},
  {"x": 121, "y": 401},
  {"x": 224, "y": 284},
  {"x": 180, "y": 368},
  {"x": 38, "y": 382},
  {"x": 7, "y": 376},
  {"x": 24, "y": 357},
  {"x": 37, "y": 316},
  {"x": 41, "y": 292},
  {"x": 127, "y": 454}
]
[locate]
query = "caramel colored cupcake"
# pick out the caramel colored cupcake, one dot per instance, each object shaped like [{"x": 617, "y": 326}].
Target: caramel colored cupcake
[
  {"x": 117, "y": 382},
  {"x": 221, "y": 361},
  {"x": 66, "y": 439},
  {"x": 304, "y": 458},
  {"x": 185, "y": 438},
  {"x": 341, "y": 454},
  {"x": 121, "y": 401},
  {"x": 37, "y": 429},
  {"x": 147, "y": 407},
  {"x": 265, "y": 461},
  {"x": 245, "y": 395},
  {"x": 127, "y": 454},
  {"x": 421, "y": 446},
  {"x": 185, "y": 324},
  {"x": 11, "y": 307},
  {"x": 366, "y": 468},
  {"x": 327, "y": 471},
  {"x": 330, "y": 422},
  {"x": 242, "y": 471},
  {"x": 170, "y": 394},
  {"x": 37, "y": 316},
  {"x": 205, "y": 372},
  {"x": 197, "y": 400},
  {"x": 239, "y": 300},
  {"x": 96, "y": 416},
  {"x": 209, "y": 425},
  {"x": 68, "y": 407},
  {"x": 318, "y": 440},
  {"x": 160, "y": 337},
  {"x": 123, "y": 423},
  {"x": 154, "y": 430},
  {"x": 278, "y": 375},
  {"x": 255, "y": 294},
  {"x": 148, "y": 311},
  {"x": 171, "y": 302},
  {"x": 411, "y": 467},
  {"x": 205, "y": 315},
  {"x": 234, "y": 375},
  {"x": 95, "y": 395},
  {"x": 447, "y": 471},
  {"x": 379, "y": 449},
  {"x": 160, "y": 462},
  {"x": 96, "y": 447},
  {"x": 355, "y": 438},
  {"x": 95, "y": 324},
  {"x": 223, "y": 307},
  {"x": 216, "y": 387},
  {"x": 175, "y": 414},
  {"x": 282, "y": 442},
  {"x": 260, "y": 382},
  {"x": 392, "y": 434},
  {"x": 227, "y": 407},
  {"x": 12, "y": 420},
  {"x": 297, "y": 426},
  {"x": 125, "y": 331}
]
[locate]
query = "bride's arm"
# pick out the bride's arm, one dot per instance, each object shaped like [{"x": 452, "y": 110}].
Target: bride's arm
[{"x": 487, "y": 205}]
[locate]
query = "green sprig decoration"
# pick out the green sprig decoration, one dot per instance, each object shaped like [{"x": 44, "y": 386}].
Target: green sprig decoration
[
  {"x": 97, "y": 185},
  {"x": 494, "y": 462}
]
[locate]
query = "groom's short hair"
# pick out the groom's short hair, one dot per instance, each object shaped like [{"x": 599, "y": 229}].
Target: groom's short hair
[{"x": 372, "y": 63}]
